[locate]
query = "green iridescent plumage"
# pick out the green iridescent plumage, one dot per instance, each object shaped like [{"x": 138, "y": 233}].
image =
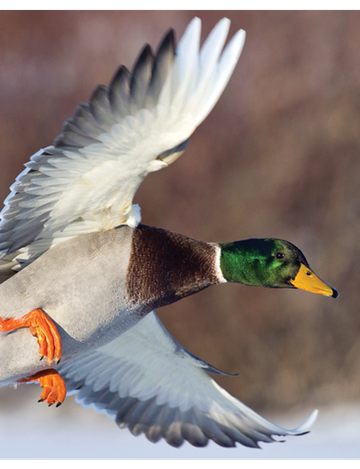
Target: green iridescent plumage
[{"x": 261, "y": 262}]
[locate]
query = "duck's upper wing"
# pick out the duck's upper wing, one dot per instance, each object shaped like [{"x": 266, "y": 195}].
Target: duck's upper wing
[
  {"x": 150, "y": 384},
  {"x": 87, "y": 180}
]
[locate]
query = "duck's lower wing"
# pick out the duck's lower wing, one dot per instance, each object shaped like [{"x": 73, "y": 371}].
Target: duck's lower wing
[{"x": 150, "y": 384}]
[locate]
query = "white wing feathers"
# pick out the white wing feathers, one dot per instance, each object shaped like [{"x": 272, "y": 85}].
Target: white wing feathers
[
  {"x": 87, "y": 180},
  {"x": 150, "y": 384}
]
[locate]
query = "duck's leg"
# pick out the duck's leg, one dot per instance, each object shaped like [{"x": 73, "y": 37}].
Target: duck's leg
[
  {"x": 54, "y": 387},
  {"x": 42, "y": 328}
]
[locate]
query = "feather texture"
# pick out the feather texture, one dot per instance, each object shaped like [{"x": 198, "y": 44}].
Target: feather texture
[
  {"x": 87, "y": 180},
  {"x": 150, "y": 384}
]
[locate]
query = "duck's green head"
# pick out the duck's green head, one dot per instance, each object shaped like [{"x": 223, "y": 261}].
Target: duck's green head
[{"x": 270, "y": 263}]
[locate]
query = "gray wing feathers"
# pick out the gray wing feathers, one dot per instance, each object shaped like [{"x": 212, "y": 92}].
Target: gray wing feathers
[
  {"x": 161, "y": 68},
  {"x": 120, "y": 92},
  {"x": 128, "y": 93},
  {"x": 152, "y": 385},
  {"x": 82, "y": 126},
  {"x": 87, "y": 180},
  {"x": 140, "y": 80}
]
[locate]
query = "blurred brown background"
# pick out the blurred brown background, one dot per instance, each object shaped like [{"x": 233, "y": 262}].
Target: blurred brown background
[{"x": 277, "y": 157}]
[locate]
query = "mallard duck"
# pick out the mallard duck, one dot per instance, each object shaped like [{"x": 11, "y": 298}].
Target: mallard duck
[{"x": 85, "y": 276}]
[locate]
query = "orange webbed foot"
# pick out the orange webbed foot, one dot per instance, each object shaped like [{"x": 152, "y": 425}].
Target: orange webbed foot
[
  {"x": 42, "y": 328},
  {"x": 54, "y": 387}
]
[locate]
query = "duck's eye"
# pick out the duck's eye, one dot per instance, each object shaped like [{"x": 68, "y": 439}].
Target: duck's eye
[{"x": 280, "y": 255}]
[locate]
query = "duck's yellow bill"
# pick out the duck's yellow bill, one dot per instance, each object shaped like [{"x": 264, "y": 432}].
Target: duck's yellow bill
[{"x": 307, "y": 280}]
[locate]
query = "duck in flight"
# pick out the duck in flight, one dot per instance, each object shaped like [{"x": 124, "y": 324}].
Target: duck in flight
[{"x": 84, "y": 275}]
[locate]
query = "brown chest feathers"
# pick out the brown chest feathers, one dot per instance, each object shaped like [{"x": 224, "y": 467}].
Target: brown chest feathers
[{"x": 165, "y": 267}]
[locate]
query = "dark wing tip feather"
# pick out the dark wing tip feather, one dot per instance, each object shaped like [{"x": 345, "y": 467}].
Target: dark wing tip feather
[
  {"x": 120, "y": 91},
  {"x": 162, "y": 65},
  {"x": 127, "y": 94},
  {"x": 140, "y": 79},
  {"x": 100, "y": 107}
]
